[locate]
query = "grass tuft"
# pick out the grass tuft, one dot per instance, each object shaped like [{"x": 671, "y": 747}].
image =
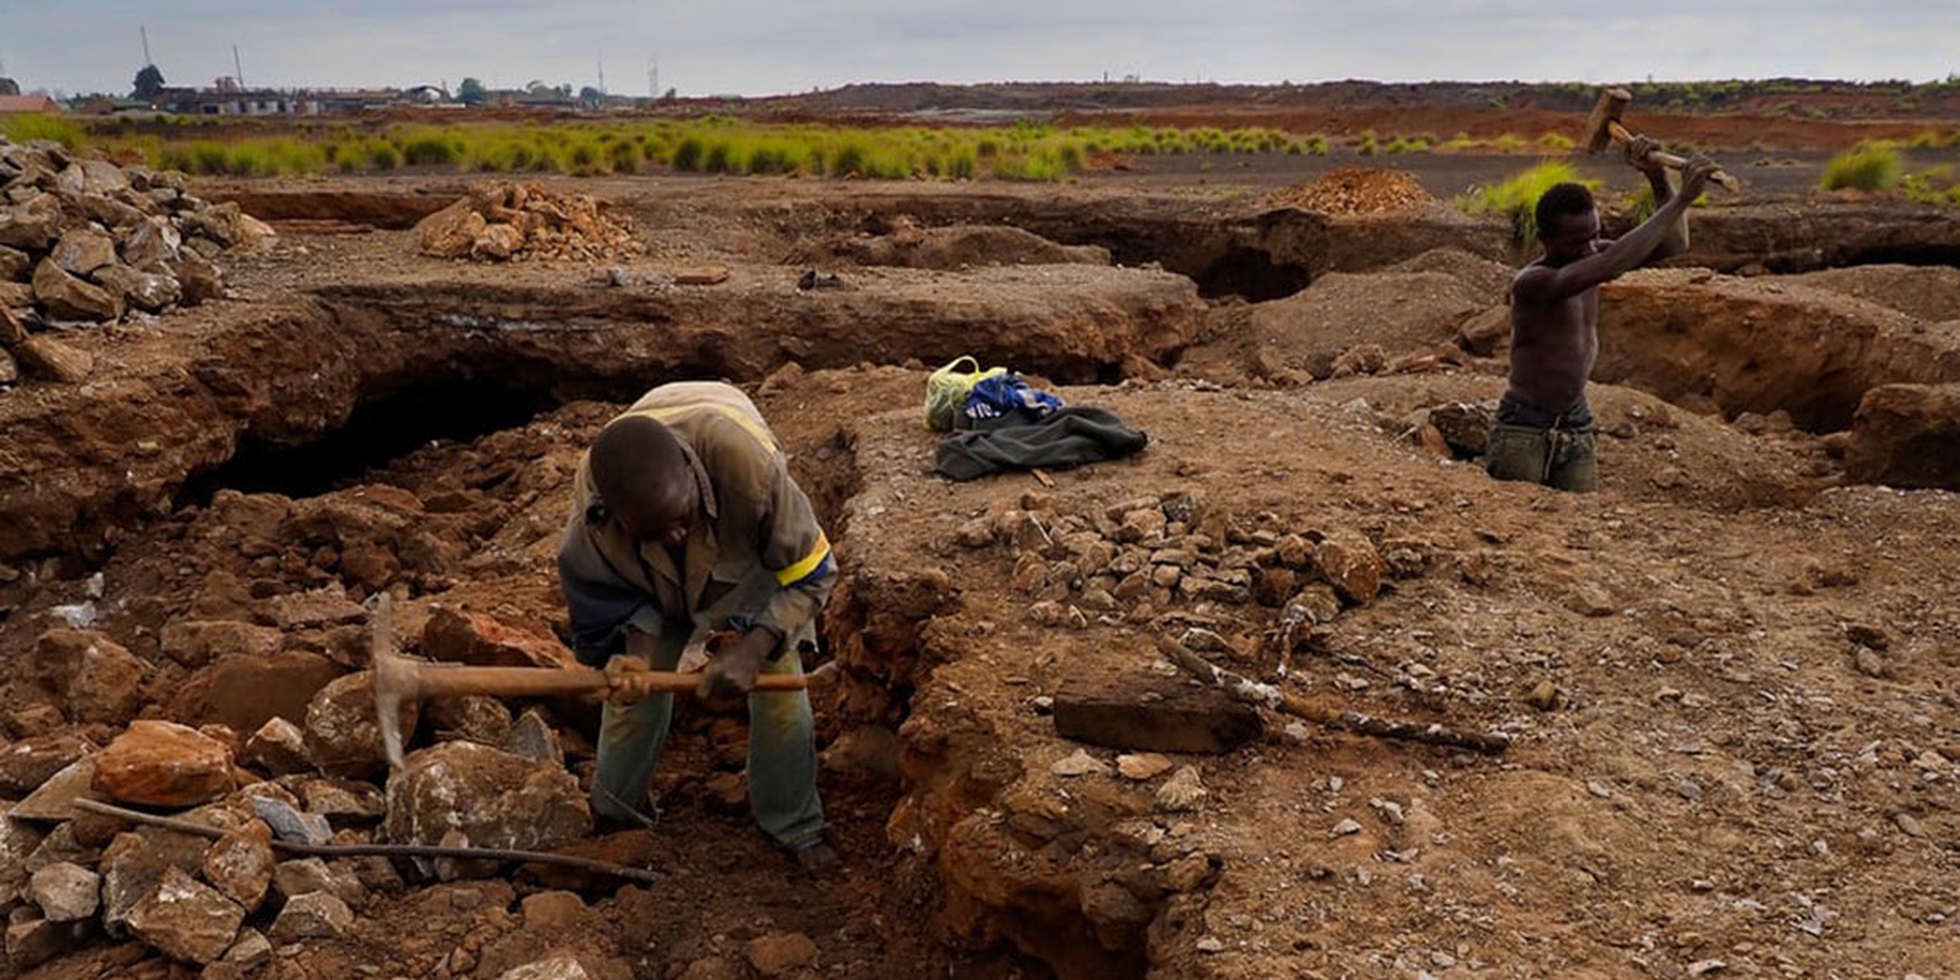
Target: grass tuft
[
  {"x": 1518, "y": 197},
  {"x": 1871, "y": 167}
]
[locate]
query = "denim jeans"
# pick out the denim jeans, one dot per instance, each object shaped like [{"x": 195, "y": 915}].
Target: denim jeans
[
  {"x": 782, "y": 752},
  {"x": 1554, "y": 450}
]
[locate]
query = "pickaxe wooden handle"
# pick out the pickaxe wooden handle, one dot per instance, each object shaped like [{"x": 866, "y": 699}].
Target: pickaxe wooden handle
[
  {"x": 449, "y": 680},
  {"x": 1665, "y": 159}
]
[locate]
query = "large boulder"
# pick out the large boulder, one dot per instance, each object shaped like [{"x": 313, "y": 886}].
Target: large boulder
[
  {"x": 14, "y": 263},
  {"x": 83, "y": 250},
  {"x": 68, "y": 298},
  {"x": 343, "y": 734},
  {"x": 494, "y": 798},
  {"x": 137, "y": 862},
  {"x": 28, "y": 763},
  {"x": 152, "y": 245},
  {"x": 474, "y": 638},
  {"x": 30, "y": 227},
  {"x": 1907, "y": 435},
  {"x": 186, "y": 919},
  {"x": 147, "y": 291},
  {"x": 451, "y": 232},
  {"x": 243, "y": 692},
  {"x": 197, "y": 642},
  {"x": 46, "y": 357},
  {"x": 98, "y": 679},
  {"x": 163, "y": 764}
]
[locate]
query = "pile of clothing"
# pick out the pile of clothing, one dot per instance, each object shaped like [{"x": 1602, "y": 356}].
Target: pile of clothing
[{"x": 997, "y": 421}]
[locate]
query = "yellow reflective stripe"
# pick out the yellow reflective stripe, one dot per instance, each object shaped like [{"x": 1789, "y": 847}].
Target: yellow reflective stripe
[
  {"x": 797, "y": 572},
  {"x": 740, "y": 417}
]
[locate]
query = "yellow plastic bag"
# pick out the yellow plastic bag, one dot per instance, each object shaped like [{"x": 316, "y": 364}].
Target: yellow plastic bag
[{"x": 947, "y": 388}]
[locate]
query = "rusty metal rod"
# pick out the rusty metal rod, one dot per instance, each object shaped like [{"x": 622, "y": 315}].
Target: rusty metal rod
[{"x": 385, "y": 850}]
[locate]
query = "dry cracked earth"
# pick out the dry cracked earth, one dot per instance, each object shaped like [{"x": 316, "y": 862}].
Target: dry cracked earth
[{"x": 1728, "y": 679}]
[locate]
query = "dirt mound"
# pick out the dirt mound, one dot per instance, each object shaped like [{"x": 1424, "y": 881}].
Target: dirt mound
[
  {"x": 1357, "y": 190},
  {"x": 514, "y": 222},
  {"x": 1345, "y": 323},
  {"x": 1926, "y": 292},
  {"x": 957, "y": 247},
  {"x": 1487, "y": 276}
]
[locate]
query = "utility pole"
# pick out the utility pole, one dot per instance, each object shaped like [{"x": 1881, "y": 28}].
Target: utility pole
[
  {"x": 602, "y": 76},
  {"x": 238, "y": 66},
  {"x": 653, "y": 77},
  {"x": 144, "y": 29}
]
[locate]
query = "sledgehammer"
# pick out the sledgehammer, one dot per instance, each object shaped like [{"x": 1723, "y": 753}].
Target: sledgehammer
[
  {"x": 398, "y": 680},
  {"x": 1603, "y": 127}
]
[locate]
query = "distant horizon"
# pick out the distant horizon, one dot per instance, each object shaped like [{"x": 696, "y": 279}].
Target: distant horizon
[
  {"x": 453, "y": 85},
  {"x": 764, "y": 48}
]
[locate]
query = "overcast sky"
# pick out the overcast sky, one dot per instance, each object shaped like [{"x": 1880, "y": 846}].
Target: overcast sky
[{"x": 758, "y": 47}]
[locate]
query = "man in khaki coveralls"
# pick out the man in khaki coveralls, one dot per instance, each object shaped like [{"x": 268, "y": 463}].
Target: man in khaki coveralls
[{"x": 685, "y": 520}]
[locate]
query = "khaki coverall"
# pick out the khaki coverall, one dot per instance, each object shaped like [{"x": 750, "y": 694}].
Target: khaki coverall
[{"x": 754, "y": 557}]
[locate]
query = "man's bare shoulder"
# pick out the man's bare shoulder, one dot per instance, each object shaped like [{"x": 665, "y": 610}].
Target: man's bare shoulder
[{"x": 1531, "y": 281}]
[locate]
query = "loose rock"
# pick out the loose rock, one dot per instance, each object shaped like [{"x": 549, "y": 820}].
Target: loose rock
[
  {"x": 161, "y": 763},
  {"x": 186, "y": 920},
  {"x": 314, "y": 915},
  {"x": 66, "y": 892},
  {"x": 776, "y": 955}
]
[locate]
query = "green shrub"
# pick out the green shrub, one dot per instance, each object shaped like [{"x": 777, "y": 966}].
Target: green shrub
[
  {"x": 1518, "y": 196},
  {"x": 428, "y": 151},
  {"x": 624, "y": 156},
  {"x": 1557, "y": 141},
  {"x": 963, "y": 165},
  {"x": 849, "y": 158},
  {"x": 34, "y": 126},
  {"x": 1871, "y": 167},
  {"x": 382, "y": 155},
  {"x": 586, "y": 158},
  {"x": 688, "y": 154}
]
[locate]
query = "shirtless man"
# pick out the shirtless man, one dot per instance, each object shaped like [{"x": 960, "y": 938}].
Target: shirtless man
[{"x": 1544, "y": 428}]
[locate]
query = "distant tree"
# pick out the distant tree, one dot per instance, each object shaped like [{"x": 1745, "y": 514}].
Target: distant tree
[
  {"x": 9, "y": 87},
  {"x": 536, "y": 85},
  {"x": 670, "y": 95},
  {"x": 149, "y": 83},
  {"x": 472, "y": 92},
  {"x": 591, "y": 98}
]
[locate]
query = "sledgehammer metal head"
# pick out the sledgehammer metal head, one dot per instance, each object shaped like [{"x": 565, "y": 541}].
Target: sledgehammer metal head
[{"x": 1606, "y": 113}]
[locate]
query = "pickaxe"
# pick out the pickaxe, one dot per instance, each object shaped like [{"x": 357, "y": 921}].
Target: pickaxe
[
  {"x": 1603, "y": 127},
  {"x": 398, "y": 680}
]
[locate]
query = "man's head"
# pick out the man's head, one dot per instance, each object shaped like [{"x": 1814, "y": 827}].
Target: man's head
[
  {"x": 643, "y": 475},
  {"x": 1568, "y": 223}
]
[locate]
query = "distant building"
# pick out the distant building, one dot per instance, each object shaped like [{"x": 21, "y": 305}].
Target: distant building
[
  {"x": 229, "y": 100},
  {"x": 14, "y": 105}
]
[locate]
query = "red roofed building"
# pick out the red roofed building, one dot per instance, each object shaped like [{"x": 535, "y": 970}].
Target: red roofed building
[{"x": 17, "y": 104}]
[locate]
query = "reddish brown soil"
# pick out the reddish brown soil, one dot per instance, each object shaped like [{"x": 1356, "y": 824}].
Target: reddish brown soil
[{"x": 1729, "y": 675}]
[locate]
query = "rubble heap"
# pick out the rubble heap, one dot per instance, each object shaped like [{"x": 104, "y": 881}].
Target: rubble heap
[
  {"x": 1356, "y": 190},
  {"x": 84, "y": 240},
  {"x": 512, "y": 222}
]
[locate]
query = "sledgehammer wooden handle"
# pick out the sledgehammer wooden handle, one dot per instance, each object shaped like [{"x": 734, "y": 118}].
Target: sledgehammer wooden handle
[
  {"x": 1673, "y": 161},
  {"x": 448, "y": 681}
]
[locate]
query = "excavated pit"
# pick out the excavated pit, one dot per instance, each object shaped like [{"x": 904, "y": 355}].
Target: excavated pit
[{"x": 333, "y": 402}]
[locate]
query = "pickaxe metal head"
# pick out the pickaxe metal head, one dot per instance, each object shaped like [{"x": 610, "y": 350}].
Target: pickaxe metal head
[
  {"x": 1606, "y": 112},
  {"x": 395, "y": 680}
]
